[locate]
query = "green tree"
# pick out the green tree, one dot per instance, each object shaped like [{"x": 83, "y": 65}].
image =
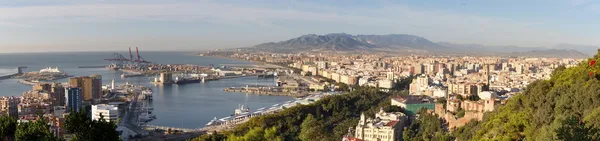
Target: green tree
[
  {"x": 460, "y": 113},
  {"x": 86, "y": 129},
  {"x": 271, "y": 134},
  {"x": 310, "y": 128},
  {"x": 255, "y": 134},
  {"x": 35, "y": 131},
  {"x": 330, "y": 117},
  {"x": 211, "y": 137},
  {"x": 427, "y": 127},
  {"x": 575, "y": 130},
  {"x": 8, "y": 125}
]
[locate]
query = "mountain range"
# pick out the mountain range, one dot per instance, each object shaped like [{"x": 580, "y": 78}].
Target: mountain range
[{"x": 404, "y": 43}]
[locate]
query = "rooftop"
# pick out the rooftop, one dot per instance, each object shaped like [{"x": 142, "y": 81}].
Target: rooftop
[
  {"x": 414, "y": 99},
  {"x": 105, "y": 107}
]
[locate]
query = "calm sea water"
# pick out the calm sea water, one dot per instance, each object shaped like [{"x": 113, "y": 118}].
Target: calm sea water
[{"x": 186, "y": 106}]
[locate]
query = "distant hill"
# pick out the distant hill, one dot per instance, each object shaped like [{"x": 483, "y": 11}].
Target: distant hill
[
  {"x": 484, "y": 48},
  {"x": 347, "y": 42},
  {"x": 550, "y": 53},
  {"x": 404, "y": 43},
  {"x": 587, "y": 49}
]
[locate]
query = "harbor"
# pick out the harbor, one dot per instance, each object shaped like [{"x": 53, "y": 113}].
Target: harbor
[
  {"x": 243, "y": 114},
  {"x": 265, "y": 90},
  {"x": 189, "y": 105}
]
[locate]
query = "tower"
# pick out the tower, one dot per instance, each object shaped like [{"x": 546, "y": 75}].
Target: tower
[
  {"x": 112, "y": 85},
  {"x": 91, "y": 86},
  {"x": 58, "y": 93},
  {"x": 74, "y": 99},
  {"x": 487, "y": 75}
]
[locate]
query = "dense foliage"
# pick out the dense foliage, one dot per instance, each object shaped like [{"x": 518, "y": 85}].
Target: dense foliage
[
  {"x": 35, "y": 131},
  {"x": 427, "y": 127},
  {"x": 77, "y": 123},
  {"x": 327, "y": 119},
  {"x": 8, "y": 126},
  {"x": 86, "y": 129}
]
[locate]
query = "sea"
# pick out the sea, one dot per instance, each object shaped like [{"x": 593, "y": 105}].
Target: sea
[{"x": 182, "y": 106}]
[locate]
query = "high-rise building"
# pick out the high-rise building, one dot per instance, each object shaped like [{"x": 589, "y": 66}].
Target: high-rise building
[
  {"x": 390, "y": 76},
  {"x": 42, "y": 87},
  {"x": 91, "y": 86},
  {"x": 96, "y": 86},
  {"x": 452, "y": 68},
  {"x": 58, "y": 94},
  {"x": 9, "y": 106},
  {"x": 322, "y": 65},
  {"x": 74, "y": 99},
  {"x": 430, "y": 69},
  {"x": 109, "y": 112},
  {"x": 519, "y": 69},
  {"x": 487, "y": 75},
  {"x": 419, "y": 69}
]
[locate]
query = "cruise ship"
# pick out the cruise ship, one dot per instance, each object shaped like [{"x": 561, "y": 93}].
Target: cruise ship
[
  {"x": 241, "y": 114},
  {"x": 50, "y": 70}
]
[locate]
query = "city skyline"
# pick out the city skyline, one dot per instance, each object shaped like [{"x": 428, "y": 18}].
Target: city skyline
[{"x": 39, "y": 26}]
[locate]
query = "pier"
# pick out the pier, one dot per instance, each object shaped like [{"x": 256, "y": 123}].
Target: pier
[
  {"x": 9, "y": 76},
  {"x": 156, "y": 127},
  {"x": 265, "y": 90},
  {"x": 99, "y": 66}
]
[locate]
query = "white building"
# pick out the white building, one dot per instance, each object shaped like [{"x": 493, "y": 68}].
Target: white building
[
  {"x": 385, "y": 127},
  {"x": 386, "y": 84},
  {"x": 487, "y": 95},
  {"x": 109, "y": 112}
]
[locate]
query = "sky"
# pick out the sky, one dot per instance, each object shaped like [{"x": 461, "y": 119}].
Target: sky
[{"x": 172, "y": 25}]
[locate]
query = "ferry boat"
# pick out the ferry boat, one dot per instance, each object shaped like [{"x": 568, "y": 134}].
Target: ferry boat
[
  {"x": 241, "y": 110},
  {"x": 50, "y": 70}
]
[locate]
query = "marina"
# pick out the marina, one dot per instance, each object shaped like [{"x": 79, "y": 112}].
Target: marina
[{"x": 189, "y": 105}]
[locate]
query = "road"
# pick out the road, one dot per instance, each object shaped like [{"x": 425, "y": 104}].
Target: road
[
  {"x": 303, "y": 78},
  {"x": 130, "y": 118}
]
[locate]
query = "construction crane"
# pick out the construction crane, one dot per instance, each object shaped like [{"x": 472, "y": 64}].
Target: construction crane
[
  {"x": 119, "y": 60},
  {"x": 139, "y": 58}
]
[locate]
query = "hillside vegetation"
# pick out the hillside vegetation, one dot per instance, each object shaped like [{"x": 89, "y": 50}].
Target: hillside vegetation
[
  {"x": 326, "y": 119},
  {"x": 566, "y": 107}
]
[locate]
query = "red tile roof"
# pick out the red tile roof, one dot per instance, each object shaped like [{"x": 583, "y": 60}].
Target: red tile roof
[
  {"x": 392, "y": 123},
  {"x": 352, "y": 139}
]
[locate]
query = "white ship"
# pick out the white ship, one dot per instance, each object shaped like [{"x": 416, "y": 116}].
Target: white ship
[
  {"x": 50, "y": 70},
  {"x": 241, "y": 110}
]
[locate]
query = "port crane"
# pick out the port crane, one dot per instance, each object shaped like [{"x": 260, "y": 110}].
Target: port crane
[{"x": 120, "y": 60}]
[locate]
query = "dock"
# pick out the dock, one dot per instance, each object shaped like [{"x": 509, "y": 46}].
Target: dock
[
  {"x": 91, "y": 66},
  {"x": 264, "y": 90},
  {"x": 9, "y": 76}
]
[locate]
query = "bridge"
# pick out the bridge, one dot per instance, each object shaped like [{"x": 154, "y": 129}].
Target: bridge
[{"x": 9, "y": 76}]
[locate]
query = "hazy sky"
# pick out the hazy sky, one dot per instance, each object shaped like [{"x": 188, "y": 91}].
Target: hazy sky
[{"x": 92, "y": 25}]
